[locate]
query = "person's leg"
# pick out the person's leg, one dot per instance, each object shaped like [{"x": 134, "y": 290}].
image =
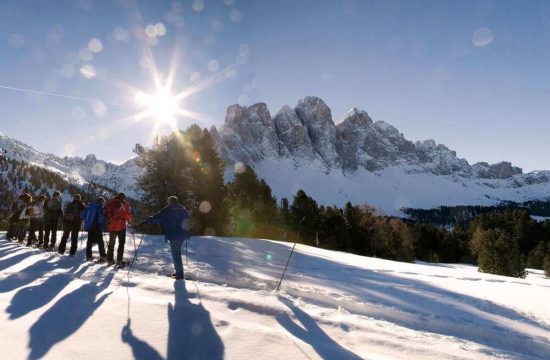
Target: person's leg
[
  {"x": 23, "y": 226},
  {"x": 64, "y": 237},
  {"x": 32, "y": 232},
  {"x": 111, "y": 247},
  {"x": 175, "y": 248},
  {"x": 75, "y": 231},
  {"x": 121, "y": 242},
  {"x": 89, "y": 245},
  {"x": 11, "y": 229},
  {"x": 40, "y": 225},
  {"x": 54, "y": 234},
  {"x": 47, "y": 231},
  {"x": 100, "y": 243}
]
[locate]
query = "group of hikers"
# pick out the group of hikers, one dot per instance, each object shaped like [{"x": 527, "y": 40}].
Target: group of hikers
[{"x": 37, "y": 221}]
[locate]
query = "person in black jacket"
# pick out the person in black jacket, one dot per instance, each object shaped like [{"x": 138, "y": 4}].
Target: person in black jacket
[
  {"x": 71, "y": 225},
  {"x": 14, "y": 216},
  {"x": 52, "y": 213}
]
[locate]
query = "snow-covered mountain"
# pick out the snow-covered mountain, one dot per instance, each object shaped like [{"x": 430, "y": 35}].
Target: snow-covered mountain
[
  {"x": 360, "y": 160},
  {"x": 76, "y": 170},
  {"x": 357, "y": 160}
]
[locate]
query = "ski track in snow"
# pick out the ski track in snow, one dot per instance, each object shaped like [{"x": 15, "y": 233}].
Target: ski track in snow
[{"x": 332, "y": 306}]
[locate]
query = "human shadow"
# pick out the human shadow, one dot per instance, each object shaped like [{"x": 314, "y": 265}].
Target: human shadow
[
  {"x": 309, "y": 332},
  {"x": 34, "y": 297},
  {"x": 68, "y": 314},
  {"x": 191, "y": 334},
  {"x": 140, "y": 349},
  {"x": 31, "y": 273},
  {"x": 424, "y": 306},
  {"x": 312, "y": 334},
  {"x": 6, "y": 262}
]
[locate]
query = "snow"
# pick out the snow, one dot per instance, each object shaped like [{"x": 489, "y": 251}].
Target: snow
[
  {"x": 393, "y": 188},
  {"x": 78, "y": 171},
  {"x": 332, "y": 305}
]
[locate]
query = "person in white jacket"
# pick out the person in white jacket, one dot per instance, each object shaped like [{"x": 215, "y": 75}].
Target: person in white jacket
[
  {"x": 25, "y": 213},
  {"x": 37, "y": 221}
]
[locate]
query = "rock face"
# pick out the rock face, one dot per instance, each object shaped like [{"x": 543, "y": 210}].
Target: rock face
[{"x": 307, "y": 135}]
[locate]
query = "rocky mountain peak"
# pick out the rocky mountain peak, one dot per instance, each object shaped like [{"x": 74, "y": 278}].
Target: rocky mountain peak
[
  {"x": 308, "y": 136},
  {"x": 356, "y": 118}
]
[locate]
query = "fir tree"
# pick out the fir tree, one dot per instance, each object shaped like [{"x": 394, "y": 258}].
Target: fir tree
[
  {"x": 498, "y": 253},
  {"x": 186, "y": 164},
  {"x": 546, "y": 265},
  {"x": 535, "y": 260},
  {"x": 252, "y": 206},
  {"x": 304, "y": 217}
]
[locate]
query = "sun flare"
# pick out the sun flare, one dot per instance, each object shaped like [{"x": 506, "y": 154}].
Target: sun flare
[{"x": 162, "y": 107}]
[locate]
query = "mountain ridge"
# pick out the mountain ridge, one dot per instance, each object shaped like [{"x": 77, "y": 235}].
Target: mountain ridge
[
  {"x": 362, "y": 160},
  {"x": 308, "y": 133},
  {"x": 358, "y": 160}
]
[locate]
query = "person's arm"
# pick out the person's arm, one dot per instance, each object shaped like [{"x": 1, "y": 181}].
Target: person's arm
[
  {"x": 101, "y": 218},
  {"x": 158, "y": 218},
  {"x": 129, "y": 216},
  {"x": 83, "y": 214}
]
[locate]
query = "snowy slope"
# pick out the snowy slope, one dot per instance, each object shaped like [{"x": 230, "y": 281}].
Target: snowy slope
[
  {"x": 332, "y": 306},
  {"x": 78, "y": 171},
  {"x": 394, "y": 188}
]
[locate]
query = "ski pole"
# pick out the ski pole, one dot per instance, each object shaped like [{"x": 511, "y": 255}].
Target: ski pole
[
  {"x": 290, "y": 256},
  {"x": 186, "y": 262},
  {"x": 81, "y": 235},
  {"x": 135, "y": 255},
  {"x": 286, "y": 266}
]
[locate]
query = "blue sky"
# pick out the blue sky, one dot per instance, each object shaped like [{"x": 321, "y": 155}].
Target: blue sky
[{"x": 470, "y": 74}]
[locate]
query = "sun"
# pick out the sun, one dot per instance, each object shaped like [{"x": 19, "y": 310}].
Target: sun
[{"x": 162, "y": 107}]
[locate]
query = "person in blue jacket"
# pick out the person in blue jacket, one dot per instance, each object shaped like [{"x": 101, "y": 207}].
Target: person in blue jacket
[
  {"x": 174, "y": 218},
  {"x": 94, "y": 223}
]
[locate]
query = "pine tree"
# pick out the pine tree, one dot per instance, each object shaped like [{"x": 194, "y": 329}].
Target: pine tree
[
  {"x": 304, "y": 217},
  {"x": 498, "y": 253},
  {"x": 252, "y": 206},
  {"x": 357, "y": 239},
  {"x": 208, "y": 185},
  {"x": 332, "y": 231},
  {"x": 535, "y": 260},
  {"x": 546, "y": 265},
  {"x": 187, "y": 165}
]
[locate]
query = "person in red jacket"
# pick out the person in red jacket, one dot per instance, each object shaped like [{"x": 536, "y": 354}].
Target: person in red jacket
[{"x": 118, "y": 215}]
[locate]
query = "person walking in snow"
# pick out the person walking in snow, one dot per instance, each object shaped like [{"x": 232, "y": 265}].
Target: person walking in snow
[
  {"x": 52, "y": 212},
  {"x": 174, "y": 218},
  {"x": 23, "y": 220},
  {"x": 118, "y": 215},
  {"x": 37, "y": 221},
  {"x": 94, "y": 223},
  {"x": 71, "y": 225}
]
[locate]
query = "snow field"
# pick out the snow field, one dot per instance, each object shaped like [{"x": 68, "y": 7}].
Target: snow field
[{"x": 332, "y": 305}]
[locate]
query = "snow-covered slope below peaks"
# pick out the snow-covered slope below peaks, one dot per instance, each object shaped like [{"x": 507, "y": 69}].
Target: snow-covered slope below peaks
[
  {"x": 76, "y": 170},
  {"x": 332, "y": 305},
  {"x": 397, "y": 187}
]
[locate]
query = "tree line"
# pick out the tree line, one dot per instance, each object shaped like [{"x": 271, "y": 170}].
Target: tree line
[{"x": 187, "y": 164}]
